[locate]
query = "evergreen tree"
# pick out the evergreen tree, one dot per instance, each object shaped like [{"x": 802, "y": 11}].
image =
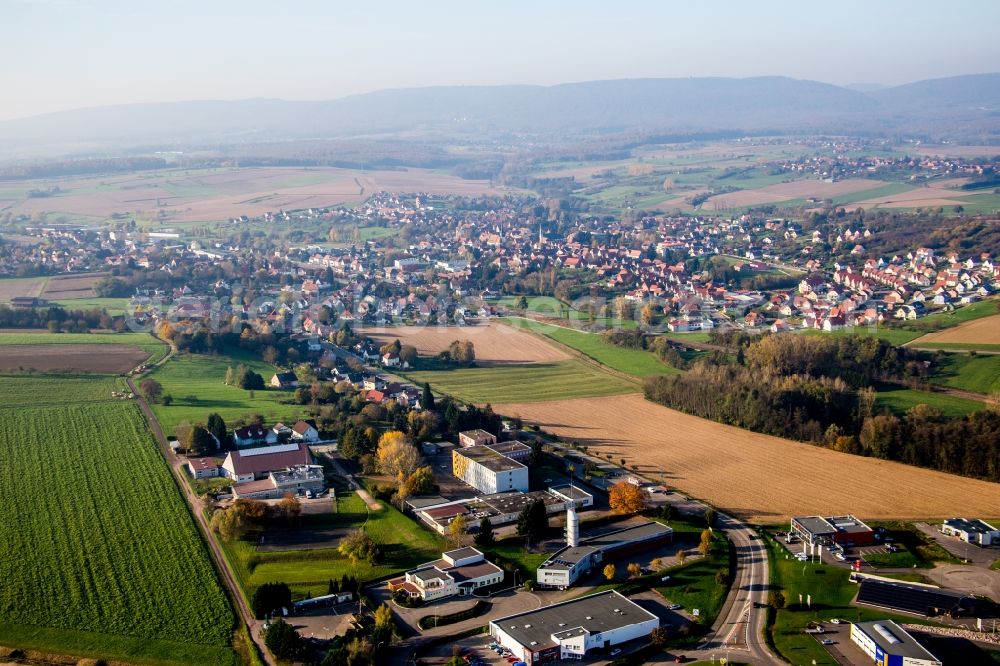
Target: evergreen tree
[
  {"x": 485, "y": 537},
  {"x": 427, "y": 399}
]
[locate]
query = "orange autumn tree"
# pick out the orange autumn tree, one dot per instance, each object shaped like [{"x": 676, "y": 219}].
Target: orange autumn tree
[{"x": 626, "y": 497}]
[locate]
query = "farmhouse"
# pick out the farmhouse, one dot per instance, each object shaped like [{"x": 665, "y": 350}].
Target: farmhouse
[
  {"x": 971, "y": 531},
  {"x": 566, "y": 565},
  {"x": 254, "y": 434},
  {"x": 458, "y": 572},
  {"x": 295, "y": 480},
  {"x": 888, "y": 643},
  {"x": 488, "y": 471},
  {"x": 843, "y": 530},
  {"x": 284, "y": 380},
  {"x": 203, "y": 468},
  {"x": 304, "y": 431},
  {"x": 569, "y": 630},
  {"x": 257, "y": 464}
]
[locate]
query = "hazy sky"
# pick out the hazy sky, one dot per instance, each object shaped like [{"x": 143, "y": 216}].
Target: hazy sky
[{"x": 60, "y": 54}]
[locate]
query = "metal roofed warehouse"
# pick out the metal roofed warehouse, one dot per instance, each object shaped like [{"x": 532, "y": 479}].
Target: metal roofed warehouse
[
  {"x": 569, "y": 630},
  {"x": 888, "y": 644}
]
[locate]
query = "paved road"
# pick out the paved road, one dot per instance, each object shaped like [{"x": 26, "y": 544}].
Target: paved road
[
  {"x": 739, "y": 628},
  {"x": 176, "y": 467}
]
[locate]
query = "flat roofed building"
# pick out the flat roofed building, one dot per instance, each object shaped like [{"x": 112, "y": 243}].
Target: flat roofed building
[
  {"x": 475, "y": 438},
  {"x": 513, "y": 449},
  {"x": 292, "y": 480},
  {"x": 580, "y": 498},
  {"x": 488, "y": 471},
  {"x": 566, "y": 565},
  {"x": 972, "y": 531},
  {"x": 569, "y": 630},
  {"x": 498, "y": 508},
  {"x": 888, "y": 644},
  {"x": 844, "y": 530},
  {"x": 458, "y": 572}
]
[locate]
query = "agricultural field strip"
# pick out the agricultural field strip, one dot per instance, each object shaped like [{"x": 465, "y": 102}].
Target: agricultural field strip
[{"x": 73, "y": 516}]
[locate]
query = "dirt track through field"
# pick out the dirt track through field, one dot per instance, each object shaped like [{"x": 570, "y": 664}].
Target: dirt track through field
[
  {"x": 985, "y": 331},
  {"x": 110, "y": 359},
  {"x": 496, "y": 344},
  {"x": 758, "y": 477}
]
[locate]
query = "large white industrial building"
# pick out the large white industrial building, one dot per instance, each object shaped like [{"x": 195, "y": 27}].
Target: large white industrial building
[
  {"x": 489, "y": 471},
  {"x": 888, "y": 644},
  {"x": 571, "y": 629}
]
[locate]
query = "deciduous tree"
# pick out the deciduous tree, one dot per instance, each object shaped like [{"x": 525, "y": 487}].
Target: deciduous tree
[
  {"x": 395, "y": 455},
  {"x": 625, "y": 497}
]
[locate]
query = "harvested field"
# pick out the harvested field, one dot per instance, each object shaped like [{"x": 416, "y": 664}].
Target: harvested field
[
  {"x": 799, "y": 189},
  {"x": 759, "y": 477},
  {"x": 496, "y": 344},
  {"x": 11, "y": 287},
  {"x": 933, "y": 195},
  {"x": 985, "y": 331},
  {"x": 111, "y": 359},
  {"x": 71, "y": 287},
  {"x": 194, "y": 195}
]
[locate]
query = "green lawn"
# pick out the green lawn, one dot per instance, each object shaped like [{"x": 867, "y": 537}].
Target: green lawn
[
  {"x": 695, "y": 336},
  {"x": 196, "y": 382},
  {"x": 405, "y": 543},
  {"x": 693, "y": 584},
  {"x": 971, "y": 373},
  {"x": 635, "y": 362},
  {"x": 530, "y": 382},
  {"x": 100, "y": 556},
  {"x": 900, "y": 400}
]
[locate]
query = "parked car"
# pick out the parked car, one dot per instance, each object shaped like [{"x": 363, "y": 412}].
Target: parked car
[
  {"x": 616, "y": 651},
  {"x": 676, "y": 606},
  {"x": 826, "y": 641}
]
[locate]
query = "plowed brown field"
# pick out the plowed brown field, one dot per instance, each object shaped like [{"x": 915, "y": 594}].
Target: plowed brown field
[
  {"x": 755, "y": 476},
  {"x": 496, "y": 344},
  {"x": 109, "y": 359},
  {"x": 985, "y": 331}
]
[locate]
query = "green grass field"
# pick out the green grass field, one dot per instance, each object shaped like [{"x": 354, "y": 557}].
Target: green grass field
[
  {"x": 113, "y": 306},
  {"x": 530, "y": 382},
  {"x": 979, "y": 373},
  {"x": 405, "y": 543},
  {"x": 48, "y": 390},
  {"x": 157, "y": 349},
  {"x": 899, "y": 400},
  {"x": 635, "y": 362},
  {"x": 196, "y": 382},
  {"x": 100, "y": 556}
]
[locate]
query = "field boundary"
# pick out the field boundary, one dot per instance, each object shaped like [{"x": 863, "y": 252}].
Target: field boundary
[{"x": 222, "y": 569}]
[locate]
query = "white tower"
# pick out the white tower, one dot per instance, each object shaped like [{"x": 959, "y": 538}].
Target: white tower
[{"x": 572, "y": 526}]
